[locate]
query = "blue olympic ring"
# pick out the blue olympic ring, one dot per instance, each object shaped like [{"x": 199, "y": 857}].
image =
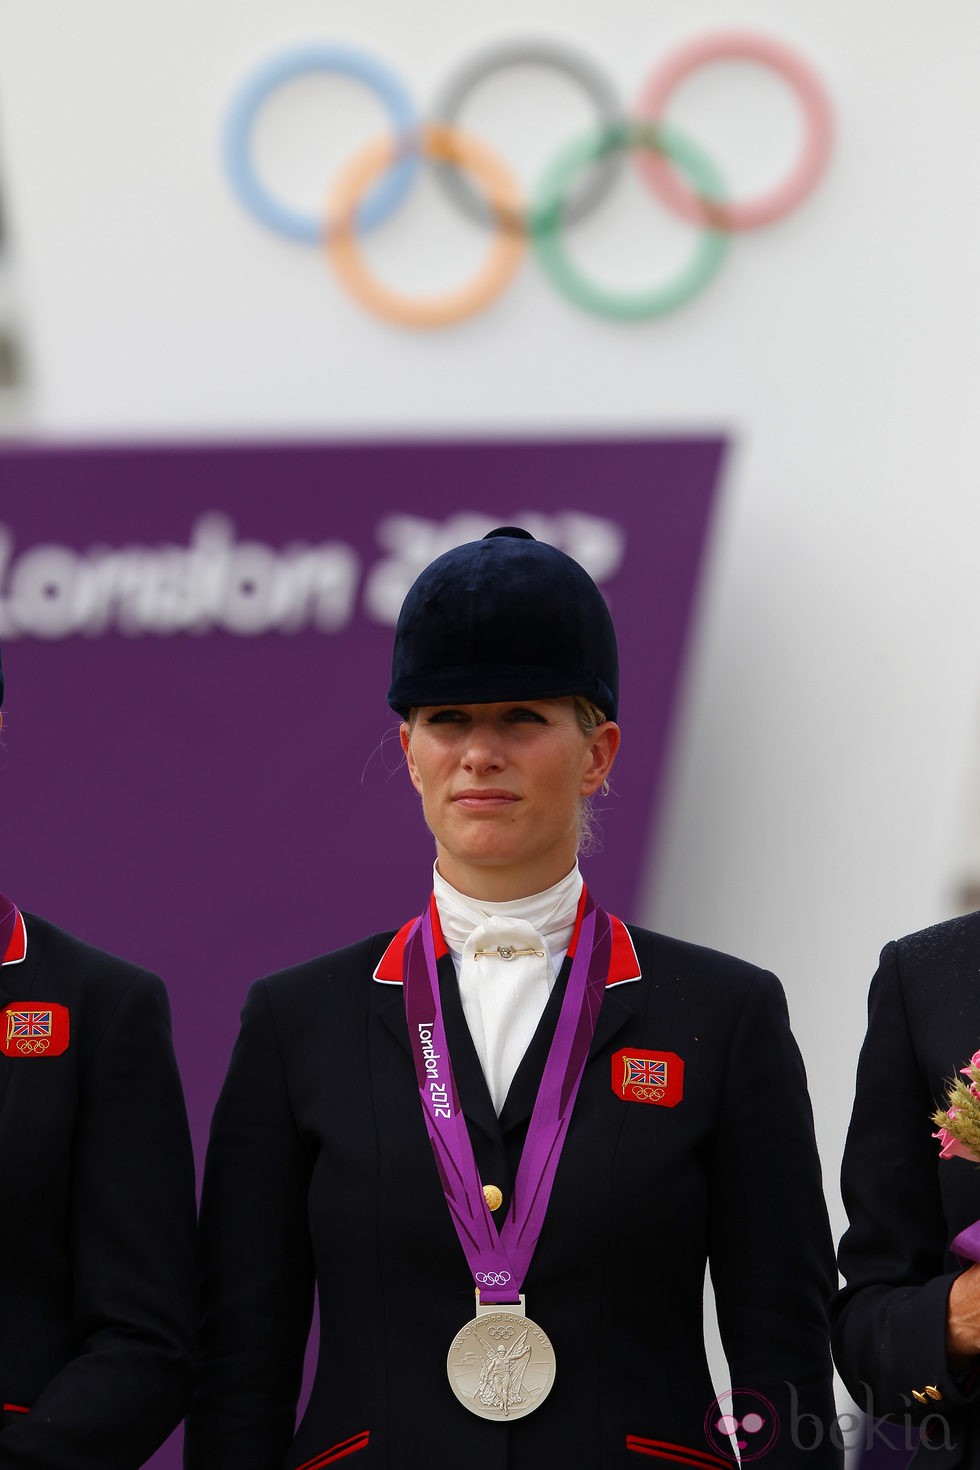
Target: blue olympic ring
[{"x": 308, "y": 229}]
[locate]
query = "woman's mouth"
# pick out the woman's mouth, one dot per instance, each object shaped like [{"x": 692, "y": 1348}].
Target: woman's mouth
[{"x": 484, "y": 799}]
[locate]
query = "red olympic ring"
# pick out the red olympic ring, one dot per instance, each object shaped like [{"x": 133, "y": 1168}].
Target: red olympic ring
[{"x": 741, "y": 46}]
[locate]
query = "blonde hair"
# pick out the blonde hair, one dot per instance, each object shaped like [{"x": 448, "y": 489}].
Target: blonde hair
[{"x": 589, "y": 717}]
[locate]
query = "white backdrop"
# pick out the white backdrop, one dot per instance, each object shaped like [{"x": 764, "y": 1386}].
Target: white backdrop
[{"x": 825, "y": 753}]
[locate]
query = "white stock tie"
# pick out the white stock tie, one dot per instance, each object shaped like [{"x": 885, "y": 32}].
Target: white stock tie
[{"x": 505, "y": 978}]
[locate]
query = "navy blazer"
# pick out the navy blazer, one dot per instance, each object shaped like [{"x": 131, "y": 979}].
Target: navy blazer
[
  {"x": 904, "y": 1203},
  {"x": 320, "y": 1172},
  {"x": 97, "y": 1274}
]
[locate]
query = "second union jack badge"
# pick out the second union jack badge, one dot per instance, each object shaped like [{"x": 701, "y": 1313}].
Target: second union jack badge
[
  {"x": 34, "y": 1029},
  {"x": 648, "y": 1077}
]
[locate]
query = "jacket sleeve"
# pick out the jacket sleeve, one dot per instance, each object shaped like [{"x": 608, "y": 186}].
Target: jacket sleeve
[
  {"x": 890, "y": 1319},
  {"x": 770, "y": 1249},
  {"x": 256, "y": 1257},
  {"x": 132, "y": 1256}
]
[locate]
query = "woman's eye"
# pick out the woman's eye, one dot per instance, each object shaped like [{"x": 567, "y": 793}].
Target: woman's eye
[
  {"x": 523, "y": 714},
  {"x": 445, "y": 717}
]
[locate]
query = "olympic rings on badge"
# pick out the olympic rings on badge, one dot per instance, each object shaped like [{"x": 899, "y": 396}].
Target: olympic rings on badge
[{"x": 376, "y": 182}]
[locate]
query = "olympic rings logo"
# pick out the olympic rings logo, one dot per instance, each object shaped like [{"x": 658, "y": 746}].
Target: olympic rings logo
[
  {"x": 376, "y": 181},
  {"x": 32, "y": 1048},
  {"x": 492, "y": 1278}
]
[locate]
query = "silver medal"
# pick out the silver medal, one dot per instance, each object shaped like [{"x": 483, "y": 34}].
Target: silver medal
[{"x": 501, "y": 1365}]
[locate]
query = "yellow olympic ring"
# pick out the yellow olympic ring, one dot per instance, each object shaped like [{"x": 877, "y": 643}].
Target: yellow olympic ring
[{"x": 447, "y": 145}]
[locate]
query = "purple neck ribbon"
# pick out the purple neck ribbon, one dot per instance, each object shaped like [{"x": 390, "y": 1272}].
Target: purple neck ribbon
[
  {"x": 8, "y": 922},
  {"x": 966, "y": 1245},
  {"x": 499, "y": 1262}
]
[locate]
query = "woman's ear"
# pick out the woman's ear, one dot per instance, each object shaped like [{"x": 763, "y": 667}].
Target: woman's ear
[
  {"x": 405, "y": 736},
  {"x": 603, "y": 745}
]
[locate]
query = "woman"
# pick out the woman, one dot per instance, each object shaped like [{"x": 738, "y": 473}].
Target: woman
[
  {"x": 98, "y": 1296},
  {"x": 513, "y": 1095},
  {"x": 907, "y": 1325}
]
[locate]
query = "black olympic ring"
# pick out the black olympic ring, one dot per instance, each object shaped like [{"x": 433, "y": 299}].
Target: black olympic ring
[
  {"x": 377, "y": 181},
  {"x": 449, "y": 104}
]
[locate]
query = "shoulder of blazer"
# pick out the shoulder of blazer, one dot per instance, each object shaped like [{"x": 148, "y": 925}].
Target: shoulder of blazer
[
  {"x": 62, "y": 961},
  {"x": 331, "y": 993},
  {"x": 346, "y": 969},
  {"x": 953, "y": 942},
  {"x": 929, "y": 983}
]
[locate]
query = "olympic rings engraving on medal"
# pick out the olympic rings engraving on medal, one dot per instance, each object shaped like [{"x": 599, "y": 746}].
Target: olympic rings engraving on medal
[
  {"x": 492, "y": 1278},
  {"x": 378, "y": 180}
]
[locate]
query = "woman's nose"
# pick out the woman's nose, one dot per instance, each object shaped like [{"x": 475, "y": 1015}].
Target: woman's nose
[{"x": 482, "y": 752}]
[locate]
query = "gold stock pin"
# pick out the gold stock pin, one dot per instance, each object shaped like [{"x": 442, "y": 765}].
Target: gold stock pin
[{"x": 504, "y": 952}]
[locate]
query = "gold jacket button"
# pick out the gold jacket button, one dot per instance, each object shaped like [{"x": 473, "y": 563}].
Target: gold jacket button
[{"x": 493, "y": 1196}]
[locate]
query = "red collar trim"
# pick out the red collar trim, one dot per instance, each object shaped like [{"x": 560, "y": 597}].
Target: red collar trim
[
  {"x": 17, "y": 948},
  {"x": 623, "y": 963},
  {"x": 391, "y": 963}
]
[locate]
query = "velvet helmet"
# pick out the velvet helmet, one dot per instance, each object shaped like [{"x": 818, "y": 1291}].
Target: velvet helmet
[{"x": 504, "y": 618}]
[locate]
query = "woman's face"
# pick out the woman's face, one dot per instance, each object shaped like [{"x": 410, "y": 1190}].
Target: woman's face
[{"x": 502, "y": 787}]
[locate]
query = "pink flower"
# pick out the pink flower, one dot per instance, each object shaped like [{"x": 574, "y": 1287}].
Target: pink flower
[{"x": 952, "y": 1148}]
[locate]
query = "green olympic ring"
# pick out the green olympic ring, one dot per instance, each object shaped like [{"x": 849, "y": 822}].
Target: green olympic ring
[{"x": 546, "y": 217}]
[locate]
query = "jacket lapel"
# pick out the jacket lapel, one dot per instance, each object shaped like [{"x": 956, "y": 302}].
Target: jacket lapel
[
  {"x": 618, "y": 1006},
  {"x": 18, "y": 972},
  {"x": 474, "y": 1095},
  {"x": 497, "y": 1142}
]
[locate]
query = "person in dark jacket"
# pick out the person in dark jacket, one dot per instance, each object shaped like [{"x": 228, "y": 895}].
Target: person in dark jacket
[
  {"x": 98, "y": 1301},
  {"x": 504, "y": 1141},
  {"x": 907, "y": 1324}
]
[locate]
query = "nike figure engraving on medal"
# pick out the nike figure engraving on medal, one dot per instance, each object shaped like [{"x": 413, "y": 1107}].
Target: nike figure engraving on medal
[{"x": 501, "y": 1365}]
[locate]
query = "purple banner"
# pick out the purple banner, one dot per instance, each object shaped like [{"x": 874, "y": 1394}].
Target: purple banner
[{"x": 196, "y": 748}]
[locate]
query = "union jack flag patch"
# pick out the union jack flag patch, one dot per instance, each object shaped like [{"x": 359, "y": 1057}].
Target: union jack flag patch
[
  {"x": 648, "y": 1077},
  {"x": 29, "y": 1029}
]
